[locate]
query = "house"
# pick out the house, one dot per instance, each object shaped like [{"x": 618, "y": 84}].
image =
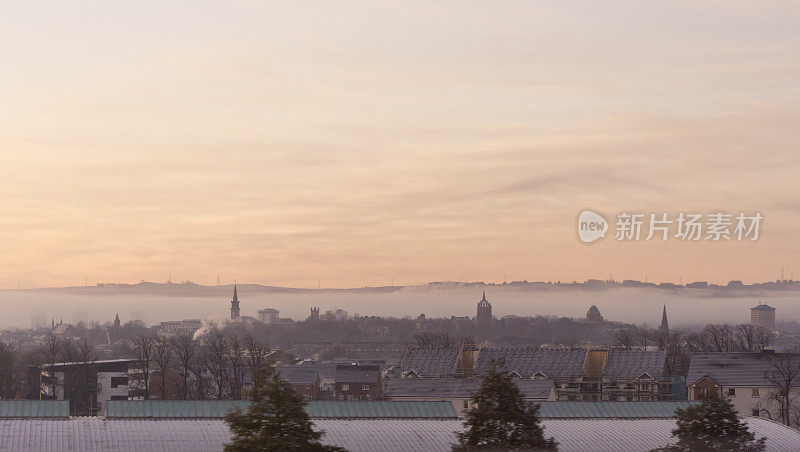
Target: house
[
  {"x": 588, "y": 374},
  {"x": 305, "y": 382},
  {"x": 354, "y": 382},
  {"x": 459, "y": 391},
  {"x": 744, "y": 378}
]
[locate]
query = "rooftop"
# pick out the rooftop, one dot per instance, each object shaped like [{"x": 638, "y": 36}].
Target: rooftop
[
  {"x": 359, "y": 435},
  {"x": 217, "y": 409},
  {"x": 735, "y": 369},
  {"x": 459, "y": 387},
  {"x": 43, "y": 409}
]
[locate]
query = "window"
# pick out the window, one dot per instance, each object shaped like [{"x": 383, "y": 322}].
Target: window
[
  {"x": 466, "y": 404},
  {"x": 345, "y": 387},
  {"x": 731, "y": 392},
  {"x": 365, "y": 387},
  {"x": 119, "y": 381},
  {"x": 119, "y": 397},
  {"x": 755, "y": 412},
  {"x": 755, "y": 392}
]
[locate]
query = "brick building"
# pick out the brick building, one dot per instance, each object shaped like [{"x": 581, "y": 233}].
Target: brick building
[{"x": 355, "y": 382}]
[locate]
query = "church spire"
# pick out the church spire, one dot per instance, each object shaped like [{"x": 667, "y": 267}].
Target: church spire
[
  {"x": 664, "y": 324},
  {"x": 234, "y": 305}
]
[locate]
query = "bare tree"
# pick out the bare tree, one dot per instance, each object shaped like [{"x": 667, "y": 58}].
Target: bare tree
[
  {"x": 185, "y": 348},
  {"x": 10, "y": 371},
  {"x": 257, "y": 359},
  {"x": 751, "y": 338},
  {"x": 162, "y": 357},
  {"x": 52, "y": 348},
  {"x": 143, "y": 346},
  {"x": 80, "y": 378},
  {"x": 719, "y": 338},
  {"x": 784, "y": 379},
  {"x": 198, "y": 366},
  {"x": 256, "y": 352},
  {"x": 644, "y": 337},
  {"x": 625, "y": 338},
  {"x": 218, "y": 357},
  {"x": 237, "y": 363}
]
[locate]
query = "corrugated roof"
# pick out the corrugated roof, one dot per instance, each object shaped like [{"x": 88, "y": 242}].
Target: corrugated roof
[
  {"x": 166, "y": 409},
  {"x": 381, "y": 409},
  {"x": 34, "y": 409},
  {"x": 610, "y": 410},
  {"x": 90, "y": 434},
  {"x": 215, "y": 409}
]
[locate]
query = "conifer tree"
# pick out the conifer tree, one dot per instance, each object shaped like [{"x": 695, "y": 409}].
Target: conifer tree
[
  {"x": 276, "y": 421},
  {"x": 712, "y": 426},
  {"x": 502, "y": 419}
]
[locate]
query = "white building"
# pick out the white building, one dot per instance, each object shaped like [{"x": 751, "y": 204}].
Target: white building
[
  {"x": 269, "y": 316},
  {"x": 111, "y": 383}
]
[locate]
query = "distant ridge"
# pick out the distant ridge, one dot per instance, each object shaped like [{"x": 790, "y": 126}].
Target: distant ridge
[{"x": 191, "y": 289}]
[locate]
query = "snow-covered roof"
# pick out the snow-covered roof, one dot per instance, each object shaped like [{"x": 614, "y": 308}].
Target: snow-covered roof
[{"x": 98, "y": 434}]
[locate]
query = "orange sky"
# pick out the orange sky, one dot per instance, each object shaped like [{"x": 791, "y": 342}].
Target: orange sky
[{"x": 363, "y": 142}]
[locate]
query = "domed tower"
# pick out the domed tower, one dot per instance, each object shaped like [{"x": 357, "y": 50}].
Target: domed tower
[{"x": 484, "y": 310}]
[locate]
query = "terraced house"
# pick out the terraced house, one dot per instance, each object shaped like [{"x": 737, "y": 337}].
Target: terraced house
[
  {"x": 754, "y": 382},
  {"x": 588, "y": 374}
]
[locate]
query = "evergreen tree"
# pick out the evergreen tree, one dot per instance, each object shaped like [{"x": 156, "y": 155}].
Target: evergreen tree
[
  {"x": 712, "y": 426},
  {"x": 276, "y": 421},
  {"x": 502, "y": 419}
]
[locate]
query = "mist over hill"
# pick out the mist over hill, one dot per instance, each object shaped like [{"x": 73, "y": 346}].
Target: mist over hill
[{"x": 156, "y": 302}]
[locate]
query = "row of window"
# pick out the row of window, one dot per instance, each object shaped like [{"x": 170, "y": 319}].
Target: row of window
[{"x": 346, "y": 387}]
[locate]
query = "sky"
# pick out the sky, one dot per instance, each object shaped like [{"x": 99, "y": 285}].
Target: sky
[{"x": 361, "y": 143}]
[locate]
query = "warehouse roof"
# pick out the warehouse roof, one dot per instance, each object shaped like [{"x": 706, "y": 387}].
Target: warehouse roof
[
  {"x": 611, "y": 410},
  {"x": 34, "y": 409},
  {"x": 217, "y": 409},
  {"x": 380, "y": 435},
  {"x": 381, "y": 409}
]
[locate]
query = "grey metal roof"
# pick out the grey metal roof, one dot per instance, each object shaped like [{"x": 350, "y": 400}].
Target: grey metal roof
[
  {"x": 381, "y": 409},
  {"x": 34, "y": 409},
  {"x": 178, "y": 409},
  {"x": 92, "y": 434},
  {"x": 735, "y": 369},
  {"x": 217, "y": 409},
  {"x": 611, "y": 410},
  {"x": 431, "y": 362},
  {"x": 459, "y": 387}
]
